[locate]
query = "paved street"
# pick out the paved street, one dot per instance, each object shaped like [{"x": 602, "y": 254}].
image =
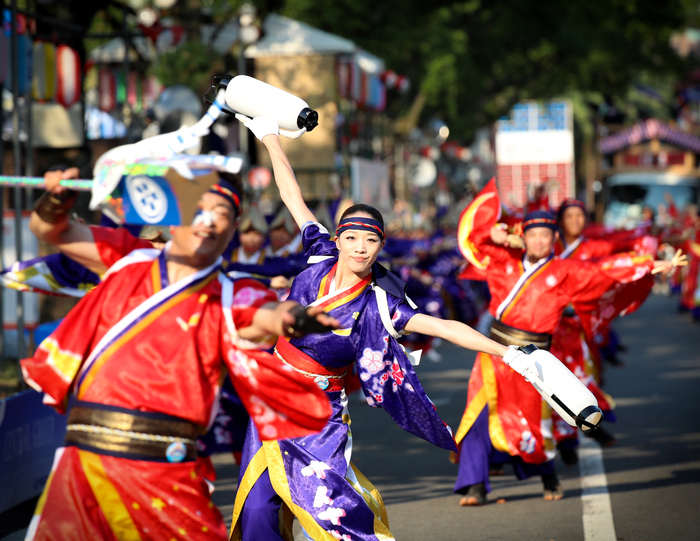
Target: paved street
[{"x": 652, "y": 475}]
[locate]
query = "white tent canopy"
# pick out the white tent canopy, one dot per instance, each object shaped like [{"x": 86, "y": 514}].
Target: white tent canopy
[
  {"x": 113, "y": 50},
  {"x": 287, "y": 37},
  {"x": 283, "y": 37}
]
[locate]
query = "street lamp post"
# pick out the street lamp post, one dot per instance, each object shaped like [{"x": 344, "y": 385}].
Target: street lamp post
[
  {"x": 17, "y": 158},
  {"x": 248, "y": 33}
]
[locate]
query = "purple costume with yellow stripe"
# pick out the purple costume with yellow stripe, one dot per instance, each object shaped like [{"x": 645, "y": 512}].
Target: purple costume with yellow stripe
[{"x": 312, "y": 477}]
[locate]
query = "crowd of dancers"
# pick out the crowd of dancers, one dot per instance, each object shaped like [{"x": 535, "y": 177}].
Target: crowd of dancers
[{"x": 245, "y": 335}]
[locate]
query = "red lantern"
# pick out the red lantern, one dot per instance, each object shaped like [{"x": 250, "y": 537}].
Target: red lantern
[
  {"x": 389, "y": 78},
  {"x": 69, "y": 87},
  {"x": 364, "y": 87},
  {"x": 107, "y": 90},
  {"x": 403, "y": 84},
  {"x": 343, "y": 69}
]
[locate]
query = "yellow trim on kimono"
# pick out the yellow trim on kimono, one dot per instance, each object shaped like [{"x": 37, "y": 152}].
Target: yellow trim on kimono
[
  {"x": 635, "y": 259},
  {"x": 546, "y": 421},
  {"x": 155, "y": 275},
  {"x": 345, "y": 300},
  {"x": 44, "y": 494},
  {"x": 322, "y": 286},
  {"x": 278, "y": 478},
  {"x": 465, "y": 229},
  {"x": 475, "y": 407},
  {"x": 256, "y": 467},
  {"x": 137, "y": 328},
  {"x": 108, "y": 498},
  {"x": 373, "y": 500},
  {"x": 65, "y": 363},
  {"x": 488, "y": 377}
]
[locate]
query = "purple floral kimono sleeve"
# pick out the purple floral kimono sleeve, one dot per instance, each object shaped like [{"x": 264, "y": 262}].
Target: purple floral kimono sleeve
[{"x": 388, "y": 379}]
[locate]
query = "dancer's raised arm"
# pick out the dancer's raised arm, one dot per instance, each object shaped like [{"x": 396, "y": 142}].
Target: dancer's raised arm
[{"x": 266, "y": 130}]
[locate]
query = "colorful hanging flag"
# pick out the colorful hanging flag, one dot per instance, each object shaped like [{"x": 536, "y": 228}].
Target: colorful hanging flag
[{"x": 43, "y": 71}]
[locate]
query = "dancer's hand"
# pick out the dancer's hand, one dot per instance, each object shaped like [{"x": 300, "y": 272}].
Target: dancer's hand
[
  {"x": 261, "y": 126},
  {"x": 300, "y": 321},
  {"x": 280, "y": 282},
  {"x": 499, "y": 235},
  {"x": 53, "y": 179},
  {"x": 666, "y": 267},
  {"x": 522, "y": 363}
]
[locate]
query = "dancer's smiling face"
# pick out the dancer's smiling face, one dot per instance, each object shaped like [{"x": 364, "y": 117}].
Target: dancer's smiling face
[
  {"x": 211, "y": 231},
  {"x": 573, "y": 220},
  {"x": 359, "y": 248},
  {"x": 539, "y": 242}
]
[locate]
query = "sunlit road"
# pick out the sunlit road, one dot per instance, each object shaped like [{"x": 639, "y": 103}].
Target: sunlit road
[{"x": 653, "y": 474}]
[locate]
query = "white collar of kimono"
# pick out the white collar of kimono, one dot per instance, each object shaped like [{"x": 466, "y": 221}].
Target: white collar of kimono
[
  {"x": 243, "y": 258},
  {"x": 570, "y": 248}
]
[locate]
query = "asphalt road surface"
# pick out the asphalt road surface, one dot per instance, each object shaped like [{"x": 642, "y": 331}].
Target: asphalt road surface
[{"x": 646, "y": 488}]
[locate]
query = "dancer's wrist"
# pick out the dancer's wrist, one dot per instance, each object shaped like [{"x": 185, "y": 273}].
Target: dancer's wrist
[{"x": 54, "y": 208}]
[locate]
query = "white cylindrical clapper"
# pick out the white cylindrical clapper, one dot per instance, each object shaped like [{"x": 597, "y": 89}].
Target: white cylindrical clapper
[
  {"x": 571, "y": 399},
  {"x": 250, "y": 97}
]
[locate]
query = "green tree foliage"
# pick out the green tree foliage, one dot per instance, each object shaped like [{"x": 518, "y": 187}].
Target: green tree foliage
[{"x": 471, "y": 60}]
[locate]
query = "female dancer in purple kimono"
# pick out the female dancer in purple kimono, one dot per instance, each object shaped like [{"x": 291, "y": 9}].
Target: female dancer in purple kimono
[{"x": 312, "y": 477}]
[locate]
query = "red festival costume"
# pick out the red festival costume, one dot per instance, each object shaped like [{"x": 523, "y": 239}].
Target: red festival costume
[
  {"x": 141, "y": 350},
  {"x": 530, "y": 299}
]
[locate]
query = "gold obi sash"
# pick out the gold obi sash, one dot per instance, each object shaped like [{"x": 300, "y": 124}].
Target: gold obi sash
[
  {"x": 138, "y": 435},
  {"x": 510, "y": 336}
]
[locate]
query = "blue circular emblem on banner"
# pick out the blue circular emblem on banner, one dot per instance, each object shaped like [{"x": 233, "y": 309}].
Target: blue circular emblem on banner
[
  {"x": 147, "y": 198},
  {"x": 176, "y": 452}
]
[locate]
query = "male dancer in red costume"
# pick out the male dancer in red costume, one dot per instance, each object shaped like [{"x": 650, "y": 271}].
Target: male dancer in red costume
[
  {"x": 144, "y": 354},
  {"x": 505, "y": 418}
]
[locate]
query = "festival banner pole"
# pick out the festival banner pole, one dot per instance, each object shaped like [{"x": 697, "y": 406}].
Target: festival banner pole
[{"x": 17, "y": 181}]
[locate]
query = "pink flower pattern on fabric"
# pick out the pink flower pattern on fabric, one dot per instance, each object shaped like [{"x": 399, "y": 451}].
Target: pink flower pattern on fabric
[
  {"x": 396, "y": 373},
  {"x": 264, "y": 417},
  {"x": 373, "y": 361},
  {"x": 247, "y": 297}
]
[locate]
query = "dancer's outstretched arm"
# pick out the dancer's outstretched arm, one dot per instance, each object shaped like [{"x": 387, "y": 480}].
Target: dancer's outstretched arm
[
  {"x": 455, "y": 332},
  {"x": 288, "y": 319}
]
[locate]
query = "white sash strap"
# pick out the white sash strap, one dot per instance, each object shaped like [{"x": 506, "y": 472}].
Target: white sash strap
[
  {"x": 318, "y": 258},
  {"x": 385, "y": 315},
  {"x": 383, "y": 304}
]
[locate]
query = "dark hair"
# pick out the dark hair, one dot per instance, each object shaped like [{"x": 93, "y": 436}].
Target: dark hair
[
  {"x": 367, "y": 209},
  {"x": 236, "y": 180}
]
